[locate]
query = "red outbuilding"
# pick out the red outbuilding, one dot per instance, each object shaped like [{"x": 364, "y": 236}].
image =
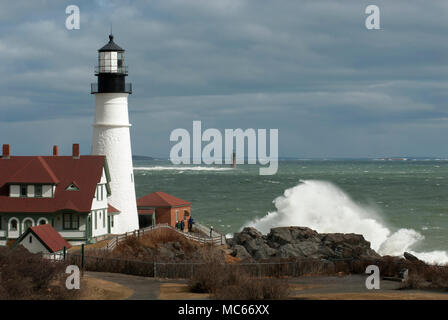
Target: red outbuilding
[{"x": 160, "y": 207}]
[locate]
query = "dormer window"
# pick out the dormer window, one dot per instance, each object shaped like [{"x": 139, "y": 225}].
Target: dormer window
[
  {"x": 72, "y": 187},
  {"x": 38, "y": 191},
  {"x": 23, "y": 191}
]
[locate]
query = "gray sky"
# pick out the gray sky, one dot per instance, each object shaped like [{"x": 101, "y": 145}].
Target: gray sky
[{"x": 309, "y": 68}]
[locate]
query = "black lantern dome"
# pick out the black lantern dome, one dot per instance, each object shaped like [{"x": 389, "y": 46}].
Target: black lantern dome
[{"x": 111, "y": 70}]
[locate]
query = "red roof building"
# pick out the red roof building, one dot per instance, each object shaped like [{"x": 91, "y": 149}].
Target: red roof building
[
  {"x": 160, "y": 207},
  {"x": 42, "y": 239},
  {"x": 68, "y": 192}
]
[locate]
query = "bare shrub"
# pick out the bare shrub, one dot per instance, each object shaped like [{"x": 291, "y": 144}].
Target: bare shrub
[
  {"x": 155, "y": 246},
  {"x": 211, "y": 274},
  {"x": 104, "y": 261},
  {"x": 432, "y": 277},
  {"x": 414, "y": 281},
  {"x": 248, "y": 288},
  {"x": 24, "y": 275},
  {"x": 437, "y": 276},
  {"x": 226, "y": 281}
]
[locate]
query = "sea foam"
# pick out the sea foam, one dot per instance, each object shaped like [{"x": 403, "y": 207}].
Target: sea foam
[{"x": 324, "y": 207}]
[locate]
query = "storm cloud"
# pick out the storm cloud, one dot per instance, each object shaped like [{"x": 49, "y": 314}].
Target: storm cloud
[{"x": 309, "y": 68}]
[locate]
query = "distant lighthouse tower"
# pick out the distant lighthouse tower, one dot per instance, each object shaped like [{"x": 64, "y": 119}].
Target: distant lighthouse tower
[{"x": 111, "y": 133}]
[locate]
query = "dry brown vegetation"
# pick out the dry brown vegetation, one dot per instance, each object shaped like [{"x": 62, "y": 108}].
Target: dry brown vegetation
[
  {"x": 154, "y": 240},
  {"x": 28, "y": 276},
  {"x": 420, "y": 274},
  {"x": 137, "y": 255},
  {"x": 427, "y": 277},
  {"x": 97, "y": 289},
  {"x": 214, "y": 270},
  {"x": 226, "y": 282}
]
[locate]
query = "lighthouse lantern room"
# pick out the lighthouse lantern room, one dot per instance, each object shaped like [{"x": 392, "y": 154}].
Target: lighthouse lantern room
[
  {"x": 111, "y": 70},
  {"x": 111, "y": 135}
]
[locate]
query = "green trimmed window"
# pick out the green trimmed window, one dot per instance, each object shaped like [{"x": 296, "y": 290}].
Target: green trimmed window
[
  {"x": 70, "y": 221},
  {"x": 13, "y": 225}
]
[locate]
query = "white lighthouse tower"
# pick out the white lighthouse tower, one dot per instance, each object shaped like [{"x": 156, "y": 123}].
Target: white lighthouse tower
[{"x": 111, "y": 133}]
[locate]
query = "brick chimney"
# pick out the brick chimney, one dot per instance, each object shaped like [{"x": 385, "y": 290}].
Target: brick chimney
[
  {"x": 76, "y": 154},
  {"x": 6, "y": 152},
  {"x": 55, "y": 150}
]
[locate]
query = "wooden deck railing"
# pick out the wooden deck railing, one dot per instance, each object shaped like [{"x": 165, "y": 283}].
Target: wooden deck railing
[{"x": 216, "y": 239}]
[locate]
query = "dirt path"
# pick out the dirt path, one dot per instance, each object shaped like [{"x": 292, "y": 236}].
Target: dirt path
[
  {"x": 350, "y": 287},
  {"x": 98, "y": 289},
  {"x": 353, "y": 287},
  {"x": 143, "y": 288}
]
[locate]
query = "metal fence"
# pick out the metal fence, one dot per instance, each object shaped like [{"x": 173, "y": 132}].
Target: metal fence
[{"x": 186, "y": 270}]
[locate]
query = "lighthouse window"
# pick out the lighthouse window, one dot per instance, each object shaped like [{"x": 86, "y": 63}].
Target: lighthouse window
[
  {"x": 113, "y": 62},
  {"x": 107, "y": 61},
  {"x": 110, "y": 61},
  {"x": 120, "y": 58}
]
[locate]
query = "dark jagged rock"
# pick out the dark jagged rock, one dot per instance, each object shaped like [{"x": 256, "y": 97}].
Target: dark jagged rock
[
  {"x": 240, "y": 252},
  {"x": 300, "y": 242},
  {"x": 410, "y": 257}
]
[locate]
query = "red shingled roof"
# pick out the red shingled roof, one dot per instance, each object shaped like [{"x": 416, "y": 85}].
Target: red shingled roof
[
  {"x": 145, "y": 212},
  {"x": 112, "y": 209},
  {"x": 49, "y": 237},
  {"x": 160, "y": 199},
  {"x": 35, "y": 170},
  {"x": 59, "y": 170}
]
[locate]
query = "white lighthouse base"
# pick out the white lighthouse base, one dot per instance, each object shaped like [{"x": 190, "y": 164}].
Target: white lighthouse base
[{"x": 111, "y": 138}]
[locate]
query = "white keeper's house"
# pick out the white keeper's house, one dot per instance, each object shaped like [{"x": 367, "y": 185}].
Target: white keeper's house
[{"x": 68, "y": 192}]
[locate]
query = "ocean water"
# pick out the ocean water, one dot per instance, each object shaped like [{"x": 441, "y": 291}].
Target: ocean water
[{"x": 397, "y": 205}]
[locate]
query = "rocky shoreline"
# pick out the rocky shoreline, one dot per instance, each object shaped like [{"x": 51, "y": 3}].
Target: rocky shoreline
[{"x": 299, "y": 243}]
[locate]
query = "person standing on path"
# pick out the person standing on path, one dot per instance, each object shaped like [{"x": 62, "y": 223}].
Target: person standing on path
[
  {"x": 182, "y": 225},
  {"x": 190, "y": 224},
  {"x": 211, "y": 231}
]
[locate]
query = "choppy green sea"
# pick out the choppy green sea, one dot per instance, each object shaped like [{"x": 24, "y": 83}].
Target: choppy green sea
[{"x": 409, "y": 194}]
